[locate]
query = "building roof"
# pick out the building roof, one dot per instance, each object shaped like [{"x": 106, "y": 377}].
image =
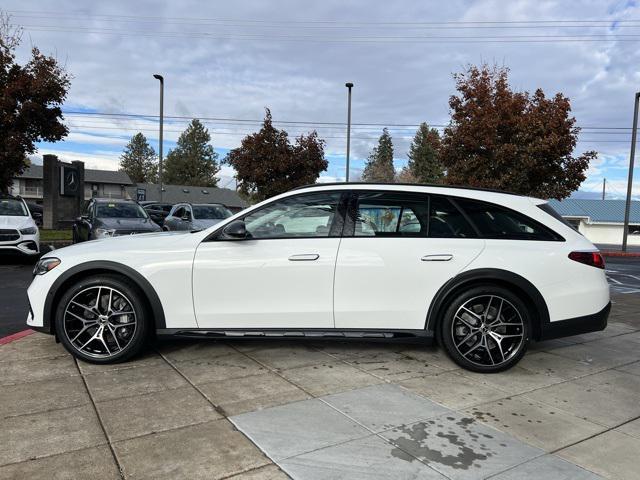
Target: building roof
[
  {"x": 190, "y": 194},
  {"x": 90, "y": 176},
  {"x": 597, "y": 211}
]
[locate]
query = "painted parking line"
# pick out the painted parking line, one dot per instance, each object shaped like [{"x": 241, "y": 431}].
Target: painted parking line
[{"x": 622, "y": 282}]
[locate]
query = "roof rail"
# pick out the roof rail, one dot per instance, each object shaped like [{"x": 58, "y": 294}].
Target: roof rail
[{"x": 437, "y": 185}]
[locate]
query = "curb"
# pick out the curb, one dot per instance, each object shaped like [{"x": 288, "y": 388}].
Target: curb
[
  {"x": 616, "y": 253},
  {"x": 16, "y": 336}
]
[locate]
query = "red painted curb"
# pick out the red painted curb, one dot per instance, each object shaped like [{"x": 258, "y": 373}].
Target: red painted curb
[
  {"x": 620, "y": 254},
  {"x": 16, "y": 336}
]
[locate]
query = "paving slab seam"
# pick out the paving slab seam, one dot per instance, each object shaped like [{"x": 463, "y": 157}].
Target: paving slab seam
[
  {"x": 276, "y": 372},
  {"x": 249, "y": 470},
  {"x": 608, "y": 429},
  {"x": 188, "y": 380},
  {"x": 126, "y": 397},
  {"x": 104, "y": 431},
  {"x": 49, "y": 410},
  {"x": 494, "y": 475},
  {"x": 13, "y": 384},
  {"x": 51, "y": 455}
]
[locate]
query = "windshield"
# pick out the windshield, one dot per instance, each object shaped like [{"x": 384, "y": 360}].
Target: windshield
[
  {"x": 210, "y": 212},
  {"x": 120, "y": 210},
  {"x": 12, "y": 208}
]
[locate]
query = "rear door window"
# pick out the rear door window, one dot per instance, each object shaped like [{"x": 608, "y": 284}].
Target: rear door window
[
  {"x": 446, "y": 220},
  {"x": 391, "y": 214}
]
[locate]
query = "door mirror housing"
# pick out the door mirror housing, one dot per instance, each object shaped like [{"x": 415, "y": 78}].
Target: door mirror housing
[{"x": 235, "y": 230}]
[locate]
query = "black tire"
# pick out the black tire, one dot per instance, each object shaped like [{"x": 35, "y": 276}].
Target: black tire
[
  {"x": 492, "y": 343},
  {"x": 116, "y": 333}
]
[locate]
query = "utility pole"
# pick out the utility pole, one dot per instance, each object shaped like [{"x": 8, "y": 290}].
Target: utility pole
[
  {"x": 161, "y": 78},
  {"x": 632, "y": 155},
  {"x": 349, "y": 85},
  {"x": 604, "y": 187}
]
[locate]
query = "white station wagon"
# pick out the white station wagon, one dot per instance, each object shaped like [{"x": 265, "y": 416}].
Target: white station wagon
[{"x": 483, "y": 273}]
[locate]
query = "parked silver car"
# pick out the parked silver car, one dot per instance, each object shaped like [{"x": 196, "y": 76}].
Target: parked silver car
[{"x": 189, "y": 217}]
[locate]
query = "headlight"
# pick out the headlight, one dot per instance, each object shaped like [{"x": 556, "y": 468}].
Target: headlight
[
  {"x": 29, "y": 231},
  {"x": 45, "y": 264},
  {"x": 105, "y": 232}
]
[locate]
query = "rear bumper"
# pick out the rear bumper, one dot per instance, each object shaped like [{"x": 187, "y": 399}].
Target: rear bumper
[{"x": 575, "y": 326}]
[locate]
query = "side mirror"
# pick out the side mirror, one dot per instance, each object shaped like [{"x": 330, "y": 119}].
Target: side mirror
[
  {"x": 236, "y": 229},
  {"x": 83, "y": 218}
]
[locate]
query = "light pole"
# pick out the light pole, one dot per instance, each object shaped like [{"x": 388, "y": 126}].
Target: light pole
[
  {"x": 161, "y": 78},
  {"x": 349, "y": 85},
  {"x": 627, "y": 208}
]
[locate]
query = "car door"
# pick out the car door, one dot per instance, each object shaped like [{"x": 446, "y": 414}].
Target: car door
[
  {"x": 398, "y": 249},
  {"x": 84, "y": 223},
  {"x": 279, "y": 277},
  {"x": 171, "y": 222}
]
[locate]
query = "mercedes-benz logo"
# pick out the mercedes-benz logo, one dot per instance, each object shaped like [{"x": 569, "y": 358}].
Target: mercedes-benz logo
[{"x": 72, "y": 180}]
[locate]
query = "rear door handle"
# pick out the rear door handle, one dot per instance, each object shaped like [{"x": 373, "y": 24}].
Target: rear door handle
[
  {"x": 304, "y": 257},
  {"x": 443, "y": 257}
]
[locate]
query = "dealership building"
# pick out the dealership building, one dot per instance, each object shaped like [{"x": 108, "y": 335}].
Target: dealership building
[
  {"x": 601, "y": 221},
  {"x": 117, "y": 184}
]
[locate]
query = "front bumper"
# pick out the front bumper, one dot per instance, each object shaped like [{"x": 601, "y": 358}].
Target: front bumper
[
  {"x": 575, "y": 326},
  {"x": 25, "y": 246}
]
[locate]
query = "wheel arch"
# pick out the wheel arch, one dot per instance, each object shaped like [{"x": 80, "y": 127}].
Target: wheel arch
[
  {"x": 88, "y": 269},
  {"x": 518, "y": 284}
]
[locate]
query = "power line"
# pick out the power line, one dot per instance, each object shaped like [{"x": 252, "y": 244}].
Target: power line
[{"x": 285, "y": 122}]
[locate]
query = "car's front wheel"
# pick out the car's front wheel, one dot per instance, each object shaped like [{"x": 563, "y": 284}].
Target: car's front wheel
[
  {"x": 102, "y": 319},
  {"x": 486, "y": 329}
]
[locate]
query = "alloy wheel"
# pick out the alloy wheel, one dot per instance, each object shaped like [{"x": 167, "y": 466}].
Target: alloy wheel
[
  {"x": 100, "y": 321},
  {"x": 488, "y": 330}
]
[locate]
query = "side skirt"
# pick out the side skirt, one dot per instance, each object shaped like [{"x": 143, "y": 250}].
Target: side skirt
[{"x": 400, "y": 336}]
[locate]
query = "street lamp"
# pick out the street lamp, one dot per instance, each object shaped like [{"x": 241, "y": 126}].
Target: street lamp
[
  {"x": 161, "y": 78},
  {"x": 349, "y": 85},
  {"x": 627, "y": 208}
]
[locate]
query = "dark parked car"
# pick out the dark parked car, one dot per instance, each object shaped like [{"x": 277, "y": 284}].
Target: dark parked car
[
  {"x": 110, "y": 218},
  {"x": 187, "y": 216},
  {"x": 36, "y": 213},
  {"x": 158, "y": 211}
]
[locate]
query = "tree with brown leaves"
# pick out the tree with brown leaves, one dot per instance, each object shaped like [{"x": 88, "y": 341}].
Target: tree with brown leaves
[
  {"x": 266, "y": 163},
  {"x": 513, "y": 141},
  {"x": 30, "y": 99}
]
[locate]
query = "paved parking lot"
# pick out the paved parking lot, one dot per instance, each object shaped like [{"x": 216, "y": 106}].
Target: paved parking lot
[{"x": 274, "y": 410}]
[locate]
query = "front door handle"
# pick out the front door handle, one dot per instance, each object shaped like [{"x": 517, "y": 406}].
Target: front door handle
[
  {"x": 304, "y": 257},
  {"x": 442, "y": 257}
]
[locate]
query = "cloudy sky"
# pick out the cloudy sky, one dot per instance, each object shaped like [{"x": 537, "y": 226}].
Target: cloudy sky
[{"x": 224, "y": 62}]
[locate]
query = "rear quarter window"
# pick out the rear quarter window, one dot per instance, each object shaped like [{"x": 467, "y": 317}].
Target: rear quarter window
[{"x": 496, "y": 222}]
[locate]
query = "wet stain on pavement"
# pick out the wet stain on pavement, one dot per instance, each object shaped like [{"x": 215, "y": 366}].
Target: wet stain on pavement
[{"x": 432, "y": 442}]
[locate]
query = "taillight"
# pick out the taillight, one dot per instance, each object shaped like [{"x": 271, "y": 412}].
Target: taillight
[{"x": 588, "y": 258}]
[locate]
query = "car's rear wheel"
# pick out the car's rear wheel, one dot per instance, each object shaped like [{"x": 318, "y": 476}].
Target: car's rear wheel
[
  {"x": 486, "y": 329},
  {"x": 102, "y": 319}
]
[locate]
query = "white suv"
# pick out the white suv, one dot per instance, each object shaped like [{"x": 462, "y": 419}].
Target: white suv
[
  {"x": 482, "y": 272},
  {"x": 18, "y": 230}
]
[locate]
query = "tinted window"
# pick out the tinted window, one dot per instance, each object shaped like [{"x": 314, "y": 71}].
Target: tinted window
[
  {"x": 120, "y": 210},
  {"x": 210, "y": 212},
  {"x": 179, "y": 212},
  {"x": 498, "y": 222},
  {"x": 307, "y": 215},
  {"x": 12, "y": 208},
  {"x": 545, "y": 207},
  {"x": 391, "y": 214},
  {"x": 446, "y": 221}
]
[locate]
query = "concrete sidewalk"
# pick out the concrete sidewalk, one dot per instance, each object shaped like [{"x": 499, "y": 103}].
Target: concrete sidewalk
[{"x": 255, "y": 410}]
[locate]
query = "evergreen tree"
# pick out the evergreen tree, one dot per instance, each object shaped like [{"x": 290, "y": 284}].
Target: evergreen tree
[
  {"x": 139, "y": 160},
  {"x": 379, "y": 167},
  {"x": 424, "y": 164},
  {"x": 193, "y": 161}
]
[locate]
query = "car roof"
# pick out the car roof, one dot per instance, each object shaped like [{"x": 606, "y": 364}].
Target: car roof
[
  {"x": 377, "y": 185},
  {"x": 113, "y": 200}
]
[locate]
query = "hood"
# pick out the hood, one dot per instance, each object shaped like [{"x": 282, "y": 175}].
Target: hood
[
  {"x": 204, "y": 224},
  {"x": 8, "y": 221},
  {"x": 127, "y": 224}
]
